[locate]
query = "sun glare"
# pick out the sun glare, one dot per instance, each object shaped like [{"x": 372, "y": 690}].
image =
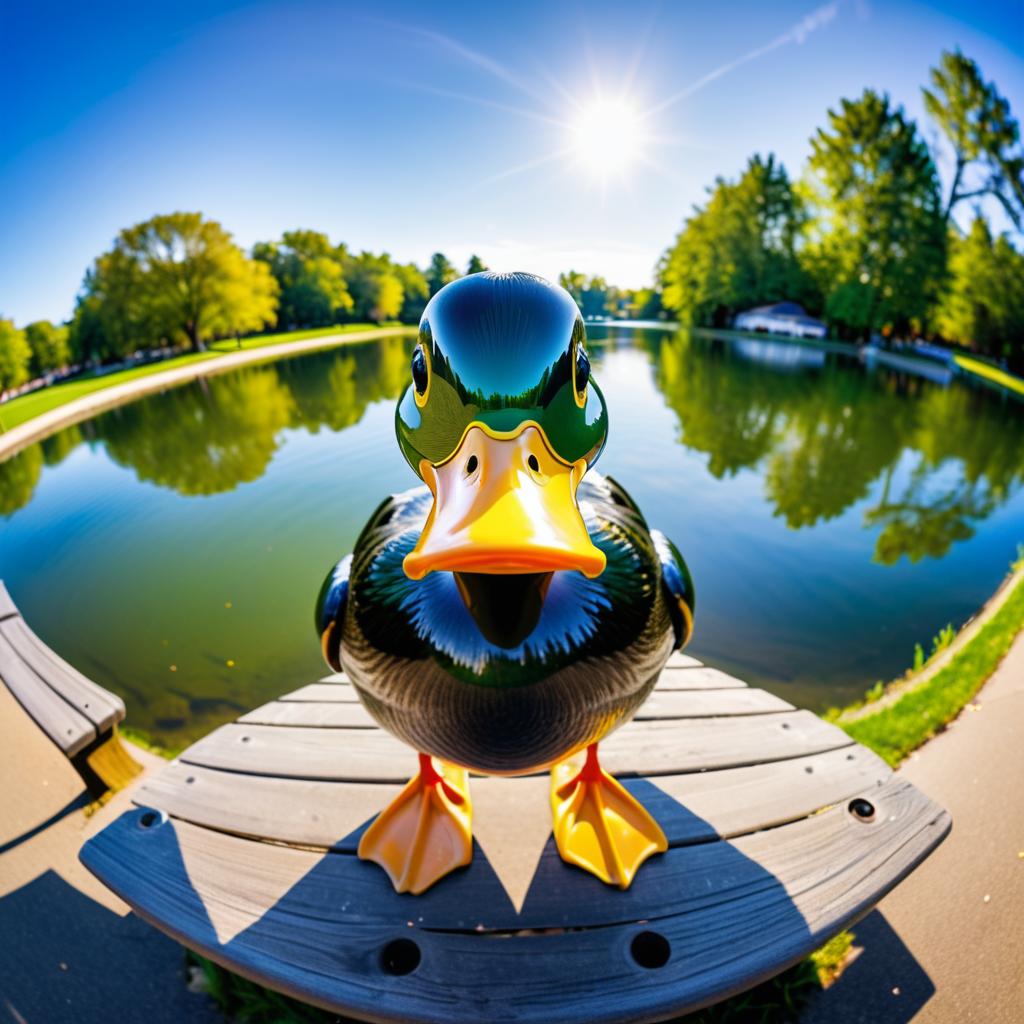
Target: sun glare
[{"x": 608, "y": 137}]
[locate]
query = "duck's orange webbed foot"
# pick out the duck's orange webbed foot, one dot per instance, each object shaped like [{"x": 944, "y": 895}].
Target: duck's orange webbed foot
[
  {"x": 425, "y": 832},
  {"x": 598, "y": 825}
]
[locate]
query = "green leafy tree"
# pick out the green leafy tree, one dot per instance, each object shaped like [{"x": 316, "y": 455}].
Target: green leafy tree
[
  {"x": 376, "y": 287},
  {"x": 739, "y": 250},
  {"x": 178, "y": 278},
  {"x": 439, "y": 273},
  {"x": 985, "y": 137},
  {"x": 310, "y": 275},
  {"x": 574, "y": 283},
  {"x": 415, "y": 292},
  {"x": 49, "y": 344},
  {"x": 879, "y": 242},
  {"x": 15, "y": 356},
  {"x": 983, "y": 305},
  {"x": 18, "y": 478},
  {"x": 475, "y": 265}
]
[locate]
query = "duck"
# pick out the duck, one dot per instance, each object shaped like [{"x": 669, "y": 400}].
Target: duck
[{"x": 514, "y": 608}]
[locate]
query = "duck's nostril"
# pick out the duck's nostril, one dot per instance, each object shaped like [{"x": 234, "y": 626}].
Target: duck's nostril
[
  {"x": 533, "y": 463},
  {"x": 471, "y": 464}
]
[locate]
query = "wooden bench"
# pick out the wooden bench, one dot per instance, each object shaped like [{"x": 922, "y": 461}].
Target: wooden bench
[
  {"x": 79, "y": 716},
  {"x": 782, "y": 832}
]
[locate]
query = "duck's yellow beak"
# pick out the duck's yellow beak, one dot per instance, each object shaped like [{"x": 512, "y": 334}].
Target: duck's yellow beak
[{"x": 504, "y": 503}]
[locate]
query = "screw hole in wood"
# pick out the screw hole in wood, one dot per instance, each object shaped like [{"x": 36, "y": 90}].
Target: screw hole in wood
[
  {"x": 400, "y": 956},
  {"x": 650, "y": 950}
]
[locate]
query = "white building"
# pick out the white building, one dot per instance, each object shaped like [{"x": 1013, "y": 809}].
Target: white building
[{"x": 781, "y": 318}]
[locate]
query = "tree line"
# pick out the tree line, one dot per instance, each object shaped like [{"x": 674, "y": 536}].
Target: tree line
[{"x": 866, "y": 238}]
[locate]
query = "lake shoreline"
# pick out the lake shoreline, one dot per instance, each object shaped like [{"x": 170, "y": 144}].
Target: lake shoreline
[{"x": 76, "y": 410}]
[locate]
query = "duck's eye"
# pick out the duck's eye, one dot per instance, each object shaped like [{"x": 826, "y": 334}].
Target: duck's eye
[
  {"x": 420, "y": 372},
  {"x": 581, "y": 374}
]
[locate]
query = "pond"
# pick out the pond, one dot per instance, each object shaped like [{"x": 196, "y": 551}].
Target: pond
[{"x": 833, "y": 514}]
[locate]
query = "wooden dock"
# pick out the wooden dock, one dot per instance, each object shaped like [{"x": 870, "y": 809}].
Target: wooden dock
[{"x": 782, "y": 832}]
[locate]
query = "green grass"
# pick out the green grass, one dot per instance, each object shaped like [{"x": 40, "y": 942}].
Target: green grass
[
  {"x": 895, "y": 730},
  {"x": 20, "y": 410},
  {"x": 992, "y": 373}
]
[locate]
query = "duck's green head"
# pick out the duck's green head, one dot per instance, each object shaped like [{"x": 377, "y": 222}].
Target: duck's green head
[{"x": 501, "y": 419}]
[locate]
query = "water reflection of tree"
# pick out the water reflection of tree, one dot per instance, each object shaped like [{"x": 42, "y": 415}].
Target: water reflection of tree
[
  {"x": 825, "y": 436},
  {"x": 220, "y": 432},
  {"x": 18, "y": 478},
  {"x": 204, "y": 439}
]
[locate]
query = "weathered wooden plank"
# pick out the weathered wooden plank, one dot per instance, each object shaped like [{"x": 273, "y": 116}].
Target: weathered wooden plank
[
  {"x": 342, "y": 692},
  {"x": 640, "y": 748},
  {"x": 7, "y": 605},
  {"x": 697, "y": 679},
  {"x": 69, "y": 729},
  {"x": 666, "y": 704},
  {"x": 312, "y": 714},
  {"x": 102, "y": 708},
  {"x": 679, "y": 660},
  {"x": 726, "y": 914},
  {"x": 325, "y": 814}
]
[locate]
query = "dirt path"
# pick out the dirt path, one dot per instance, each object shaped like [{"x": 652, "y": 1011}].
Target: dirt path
[{"x": 947, "y": 946}]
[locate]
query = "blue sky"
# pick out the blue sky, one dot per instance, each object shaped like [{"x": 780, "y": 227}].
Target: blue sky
[{"x": 410, "y": 127}]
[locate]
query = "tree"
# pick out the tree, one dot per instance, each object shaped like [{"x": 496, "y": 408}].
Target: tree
[
  {"x": 984, "y": 136},
  {"x": 15, "y": 356},
  {"x": 879, "y": 245},
  {"x": 738, "y": 250},
  {"x": 178, "y": 277},
  {"x": 376, "y": 287},
  {"x": 439, "y": 273},
  {"x": 415, "y": 292},
  {"x": 475, "y": 265},
  {"x": 983, "y": 305},
  {"x": 574, "y": 282},
  {"x": 310, "y": 275},
  {"x": 49, "y": 345}
]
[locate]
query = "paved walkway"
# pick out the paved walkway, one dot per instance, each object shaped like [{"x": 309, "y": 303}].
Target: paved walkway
[
  {"x": 72, "y": 952},
  {"x": 947, "y": 946}
]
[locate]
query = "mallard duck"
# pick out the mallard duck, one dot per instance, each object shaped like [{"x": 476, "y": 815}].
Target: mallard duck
[{"x": 508, "y": 615}]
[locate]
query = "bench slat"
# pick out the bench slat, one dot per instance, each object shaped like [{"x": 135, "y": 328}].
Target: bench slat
[
  {"x": 639, "y": 748},
  {"x": 314, "y": 925},
  {"x": 697, "y": 679},
  {"x": 723, "y": 803},
  {"x": 7, "y": 605},
  {"x": 64, "y": 725},
  {"x": 102, "y": 708},
  {"x": 670, "y": 704},
  {"x": 342, "y": 692},
  {"x": 312, "y": 714}
]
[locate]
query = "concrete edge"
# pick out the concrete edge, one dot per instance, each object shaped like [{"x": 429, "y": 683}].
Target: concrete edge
[{"x": 39, "y": 427}]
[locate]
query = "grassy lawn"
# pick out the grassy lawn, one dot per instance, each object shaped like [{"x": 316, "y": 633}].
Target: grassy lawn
[
  {"x": 20, "y": 410},
  {"x": 992, "y": 373}
]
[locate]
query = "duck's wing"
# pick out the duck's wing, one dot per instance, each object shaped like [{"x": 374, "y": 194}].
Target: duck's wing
[
  {"x": 330, "y": 611},
  {"x": 678, "y": 586},
  {"x": 393, "y": 517}
]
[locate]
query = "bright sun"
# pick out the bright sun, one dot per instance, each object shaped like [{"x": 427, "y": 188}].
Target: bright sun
[{"x": 608, "y": 136}]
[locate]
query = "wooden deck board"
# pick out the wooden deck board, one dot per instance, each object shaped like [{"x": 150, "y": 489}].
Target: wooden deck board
[
  {"x": 672, "y": 704},
  {"x": 99, "y": 706},
  {"x": 312, "y": 714},
  {"x": 639, "y": 748},
  {"x": 339, "y": 691},
  {"x": 701, "y": 678},
  {"x": 67, "y": 727},
  {"x": 7, "y": 605},
  {"x": 315, "y": 924},
  {"x": 721, "y": 804}
]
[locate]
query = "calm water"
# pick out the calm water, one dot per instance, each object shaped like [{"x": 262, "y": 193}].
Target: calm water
[{"x": 832, "y": 515}]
